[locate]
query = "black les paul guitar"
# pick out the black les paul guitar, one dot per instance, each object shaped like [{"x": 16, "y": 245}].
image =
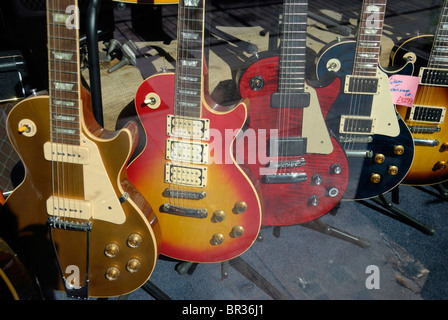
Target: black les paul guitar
[{"x": 377, "y": 142}]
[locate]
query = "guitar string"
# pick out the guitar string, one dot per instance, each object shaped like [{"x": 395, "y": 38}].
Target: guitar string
[
  {"x": 428, "y": 90},
  {"x": 51, "y": 31}
]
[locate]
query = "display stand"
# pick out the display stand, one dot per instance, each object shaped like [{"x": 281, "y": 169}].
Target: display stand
[{"x": 398, "y": 214}]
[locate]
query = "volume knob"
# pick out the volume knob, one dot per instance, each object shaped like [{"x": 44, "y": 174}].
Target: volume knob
[
  {"x": 217, "y": 238},
  {"x": 375, "y": 178},
  {"x": 237, "y": 231},
  {"x": 335, "y": 168},
  {"x": 240, "y": 206},
  {"x": 111, "y": 250},
  {"x": 133, "y": 265},
  {"x": 134, "y": 240},
  {"x": 313, "y": 201},
  {"x": 112, "y": 273}
]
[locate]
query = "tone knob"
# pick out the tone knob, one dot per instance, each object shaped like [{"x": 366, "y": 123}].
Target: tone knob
[
  {"x": 440, "y": 165},
  {"x": 392, "y": 170},
  {"x": 133, "y": 265},
  {"x": 112, "y": 273},
  {"x": 379, "y": 158},
  {"x": 240, "y": 207},
  {"x": 399, "y": 150},
  {"x": 316, "y": 180},
  {"x": 219, "y": 215},
  {"x": 218, "y": 238},
  {"x": 313, "y": 201},
  {"x": 237, "y": 231},
  {"x": 375, "y": 178},
  {"x": 111, "y": 250},
  {"x": 332, "y": 192},
  {"x": 444, "y": 147},
  {"x": 335, "y": 168},
  {"x": 134, "y": 240}
]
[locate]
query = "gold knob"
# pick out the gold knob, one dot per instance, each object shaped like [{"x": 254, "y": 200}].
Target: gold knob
[
  {"x": 444, "y": 147},
  {"x": 133, "y": 265},
  {"x": 240, "y": 206},
  {"x": 219, "y": 215},
  {"x": 375, "y": 178},
  {"x": 111, "y": 250},
  {"x": 399, "y": 150},
  {"x": 217, "y": 238},
  {"x": 134, "y": 240},
  {"x": 237, "y": 231},
  {"x": 392, "y": 170},
  {"x": 379, "y": 158},
  {"x": 441, "y": 165},
  {"x": 112, "y": 273}
]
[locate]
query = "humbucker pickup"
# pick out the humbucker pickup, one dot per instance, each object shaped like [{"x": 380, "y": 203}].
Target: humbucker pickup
[
  {"x": 185, "y": 127},
  {"x": 194, "y": 176},
  {"x": 186, "y": 151},
  {"x": 427, "y": 114},
  {"x": 361, "y": 85},
  {"x": 433, "y": 77},
  {"x": 357, "y": 125},
  {"x": 287, "y": 146}
]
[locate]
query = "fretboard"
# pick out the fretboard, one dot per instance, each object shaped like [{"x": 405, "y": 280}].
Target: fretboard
[
  {"x": 293, "y": 46},
  {"x": 63, "y": 63},
  {"x": 189, "y": 67},
  {"x": 438, "y": 57},
  {"x": 369, "y": 38}
]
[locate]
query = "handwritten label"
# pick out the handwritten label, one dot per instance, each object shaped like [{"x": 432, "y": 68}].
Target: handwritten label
[{"x": 403, "y": 89}]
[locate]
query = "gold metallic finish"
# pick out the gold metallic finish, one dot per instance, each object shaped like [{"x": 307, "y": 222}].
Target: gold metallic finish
[
  {"x": 133, "y": 265},
  {"x": 440, "y": 165},
  {"x": 237, "y": 231},
  {"x": 392, "y": 170},
  {"x": 375, "y": 178},
  {"x": 399, "y": 150},
  {"x": 379, "y": 158},
  {"x": 111, "y": 250},
  {"x": 240, "y": 207},
  {"x": 112, "y": 273},
  {"x": 218, "y": 238},
  {"x": 219, "y": 215},
  {"x": 134, "y": 240}
]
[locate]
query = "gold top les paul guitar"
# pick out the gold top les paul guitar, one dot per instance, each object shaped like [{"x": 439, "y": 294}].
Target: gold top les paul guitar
[{"x": 76, "y": 212}]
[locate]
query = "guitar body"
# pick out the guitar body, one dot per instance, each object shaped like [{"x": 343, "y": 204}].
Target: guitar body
[
  {"x": 192, "y": 238},
  {"x": 390, "y": 138},
  {"x": 290, "y": 203},
  {"x": 15, "y": 281},
  {"x": 429, "y": 165},
  {"x": 102, "y": 182}
]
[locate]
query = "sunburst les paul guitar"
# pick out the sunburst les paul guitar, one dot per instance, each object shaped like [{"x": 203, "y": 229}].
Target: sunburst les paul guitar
[
  {"x": 306, "y": 173},
  {"x": 102, "y": 234},
  {"x": 426, "y": 118},
  {"x": 208, "y": 209},
  {"x": 377, "y": 142}
]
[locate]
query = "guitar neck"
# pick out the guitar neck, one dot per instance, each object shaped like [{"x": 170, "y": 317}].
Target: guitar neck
[
  {"x": 369, "y": 38},
  {"x": 64, "y": 66},
  {"x": 438, "y": 57},
  {"x": 190, "y": 55},
  {"x": 293, "y": 47}
]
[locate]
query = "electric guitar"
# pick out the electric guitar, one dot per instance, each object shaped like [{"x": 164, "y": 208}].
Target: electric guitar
[
  {"x": 75, "y": 212},
  {"x": 304, "y": 172},
  {"x": 377, "y": 142},
  {"x": 426, "y": 117},
  {"x": 207, "y": 206}
]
